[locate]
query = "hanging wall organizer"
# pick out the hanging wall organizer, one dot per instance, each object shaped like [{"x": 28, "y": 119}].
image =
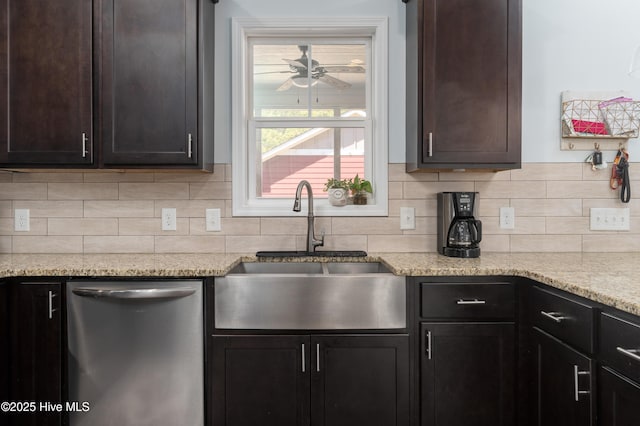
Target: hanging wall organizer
[{"x": 607, "y": 118}]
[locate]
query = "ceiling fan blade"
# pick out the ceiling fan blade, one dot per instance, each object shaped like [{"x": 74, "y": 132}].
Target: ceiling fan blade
[
  {"x": 294, "y": 63},
  {"x": 285, "y": 86},
  {"x": 344, "y": 69},
  {"x": 274, "y": 72},
  {"x": 332, "y": 81}
]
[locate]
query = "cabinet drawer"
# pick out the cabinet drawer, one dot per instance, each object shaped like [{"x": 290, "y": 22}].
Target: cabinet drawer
[
  {"x": 620, "y": 345},
  {"x": 467, "y": 300},
  {"x": 567, "y": 319}
]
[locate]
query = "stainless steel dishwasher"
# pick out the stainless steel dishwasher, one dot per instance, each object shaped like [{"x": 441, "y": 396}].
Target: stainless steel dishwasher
[{"x": 136, "y": 352}]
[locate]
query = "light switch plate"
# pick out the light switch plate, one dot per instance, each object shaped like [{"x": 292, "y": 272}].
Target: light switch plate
[
  {"x": 407, "y": 218},
  {"x": 609, "y": 219},
  {"x": 212, "y": 220}
]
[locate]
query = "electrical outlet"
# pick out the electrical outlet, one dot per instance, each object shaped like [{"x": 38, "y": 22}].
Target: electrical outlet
[
  {"x": 21, "y": 220},
  {"x": 407, "y": 218},
  {"x": 604, "y": 219},
  {"x": 212, "y": 220},
  {"x": 507, "y": 218},
  {"x": 168, "y": 219}
]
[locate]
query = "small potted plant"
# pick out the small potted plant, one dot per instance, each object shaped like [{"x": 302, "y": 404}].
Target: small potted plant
[
  {"x": 338, "y": 190},
  {"x": 359, "y": 189}
]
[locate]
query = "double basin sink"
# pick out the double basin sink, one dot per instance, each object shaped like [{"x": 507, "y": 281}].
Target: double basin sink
[{"x": 310, "y": 296}]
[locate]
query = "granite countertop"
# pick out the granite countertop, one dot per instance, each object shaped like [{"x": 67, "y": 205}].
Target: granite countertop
[{"x": 608, "y": 278}]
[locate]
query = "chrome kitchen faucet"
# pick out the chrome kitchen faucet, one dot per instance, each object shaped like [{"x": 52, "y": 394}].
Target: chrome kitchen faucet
[{"x": 312, "y": 241}]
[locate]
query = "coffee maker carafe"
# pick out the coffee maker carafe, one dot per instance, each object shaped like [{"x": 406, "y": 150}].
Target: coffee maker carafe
[{"x": 459, "y": 232}]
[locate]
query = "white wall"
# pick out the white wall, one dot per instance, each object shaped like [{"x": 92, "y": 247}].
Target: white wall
[{"x": 583, "y": 45}]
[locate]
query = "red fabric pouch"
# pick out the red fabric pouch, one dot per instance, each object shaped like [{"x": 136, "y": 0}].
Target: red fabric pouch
[{"x": 594, "y": 127}]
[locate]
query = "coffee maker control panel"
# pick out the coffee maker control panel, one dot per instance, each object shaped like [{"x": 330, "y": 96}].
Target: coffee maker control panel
[{"x": 464, "y": 204}]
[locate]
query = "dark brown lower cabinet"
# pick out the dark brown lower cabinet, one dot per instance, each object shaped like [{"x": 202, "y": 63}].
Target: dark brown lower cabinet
[
  {"x": 36, "y": 350},
  {"x": 259, "y": 380},
  {"x": 360, "y": 380},
  {"x": 467, "y": 374},
  {"x": 310, "y": 380},
  {"x": 619, "y": 399},
  {"x": 563, "y": 382},
  {"x": 4, "y": 344}
]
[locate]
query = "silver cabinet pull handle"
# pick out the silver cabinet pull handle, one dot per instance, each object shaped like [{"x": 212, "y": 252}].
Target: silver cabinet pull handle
[
  {"x": 430, "y": 152},
  {"x": 471, "y": 302},
  {"x": 428, "y": 345},
  {"x": 84, "y": 145},
  {"x": 555, "y": 316},
  {"x": 190, "y": 140},
  {"x": 631, "y": 353},
  {"x": 576, "y": 374},
  {"x": 303, "y": 366},
  {"x": 51, "y": 308},
  {"x": 318, "y": 357}
]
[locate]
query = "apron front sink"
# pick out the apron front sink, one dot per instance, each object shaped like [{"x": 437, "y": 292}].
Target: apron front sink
[{"x": 310, "y": 296}]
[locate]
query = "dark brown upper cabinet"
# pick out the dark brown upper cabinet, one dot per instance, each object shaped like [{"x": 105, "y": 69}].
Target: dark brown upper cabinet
[
  {"x": 154, "y": 57},
  {"x": 46, "y": 83},
  {"x": 464, "y": 68},
  {"x": 130, "y": 79}
]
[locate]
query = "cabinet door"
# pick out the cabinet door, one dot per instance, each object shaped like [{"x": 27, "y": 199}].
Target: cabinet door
[
  {"x": 149, "y": 80},
  {"x": 471, "y": 71},
  {"x": 360, "y": 380},
  {"x": 619, "y": 399},
  {"x": 562, "y": 383},
  {"x": 260, "y": 380},
  {"x": 45, "y": 82},
  {"x": 36, "y": 349},
  {"x": 467, "y": 374},
  {"x": 4, "y": 344}
]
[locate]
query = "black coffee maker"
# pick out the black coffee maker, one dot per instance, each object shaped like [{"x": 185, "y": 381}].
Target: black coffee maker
[{"x": 459, "y": 232}]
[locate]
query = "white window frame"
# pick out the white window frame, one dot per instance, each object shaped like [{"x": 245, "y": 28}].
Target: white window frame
[{"x": 243, "y": 158}]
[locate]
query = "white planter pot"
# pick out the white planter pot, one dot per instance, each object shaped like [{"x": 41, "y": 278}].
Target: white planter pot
[{"x": 338, "y": 197}]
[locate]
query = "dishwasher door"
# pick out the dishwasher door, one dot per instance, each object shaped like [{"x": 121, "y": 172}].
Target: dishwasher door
[{"x": 136, "y": 353}]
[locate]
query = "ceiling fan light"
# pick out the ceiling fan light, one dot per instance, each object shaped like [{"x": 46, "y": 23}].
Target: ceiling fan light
[{"x": 303, "y": 81}]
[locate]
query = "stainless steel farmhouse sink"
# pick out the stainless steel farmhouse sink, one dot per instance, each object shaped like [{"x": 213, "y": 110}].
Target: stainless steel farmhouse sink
[{"x": 310, "y": 296}]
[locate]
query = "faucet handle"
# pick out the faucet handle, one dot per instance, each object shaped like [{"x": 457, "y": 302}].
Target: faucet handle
[{"x": 319, "y": 242}]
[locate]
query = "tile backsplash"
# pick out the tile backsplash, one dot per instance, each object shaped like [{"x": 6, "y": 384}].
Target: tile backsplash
[{"x": 119, "y": 212}]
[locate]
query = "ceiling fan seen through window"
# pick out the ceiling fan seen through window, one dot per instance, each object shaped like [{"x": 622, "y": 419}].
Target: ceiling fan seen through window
[{"x": 300, "y": 69}]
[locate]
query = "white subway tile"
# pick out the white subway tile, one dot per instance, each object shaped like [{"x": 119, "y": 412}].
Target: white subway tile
[
  {"x": 47, "y": 244},
  {"x": 82, "y": 191},
  {"x": 118, "y": 244},
  {"x": 130, "y": 208},
  {"x": 154, "y": 191},
  {"x": 23, "y": 191},
  {"x": 190, "y": 244},
  {"x": 82, "y": 226}
]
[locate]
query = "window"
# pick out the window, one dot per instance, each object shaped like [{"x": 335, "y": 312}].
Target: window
[{"x": 309, "y": 102}]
